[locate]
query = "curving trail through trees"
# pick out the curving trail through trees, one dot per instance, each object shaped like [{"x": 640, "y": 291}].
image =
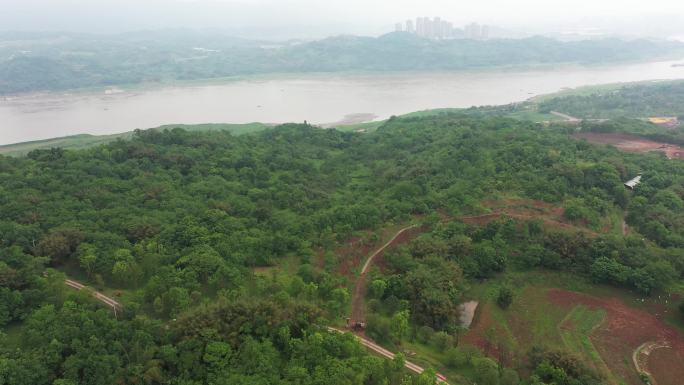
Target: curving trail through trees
[
  {"x": 358, "y": 308},
  {"x": 112, "y": 303},
  {"x": 358, "y": 297},
  {"x": 389, "y": 355},
  {"x": 566, "y": 117}
]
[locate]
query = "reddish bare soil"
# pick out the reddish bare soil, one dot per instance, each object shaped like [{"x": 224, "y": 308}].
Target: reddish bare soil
[
  {"x": 525, "y": 206},
  {"x": 667, "y": 366},
  {"x": 527, "y": 210},
  {"x": 633, "y": 143},
  {"x": 351, "y": 254},
  {"x": 509, "y": 340},
  {"x": 482, "y": 326},
  {"x": 624, "y": 330},
  {"x": 479, "y": 220}
]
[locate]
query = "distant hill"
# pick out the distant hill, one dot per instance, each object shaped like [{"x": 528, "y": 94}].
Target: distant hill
[
  {"x": 402, "y": 51},
  {"x": 38, "y": 62}
]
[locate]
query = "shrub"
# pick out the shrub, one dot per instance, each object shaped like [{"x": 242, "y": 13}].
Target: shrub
[
  {"x": 442, "y": 340},
  {"x": 486, "y": 371},
  {"x": 457, "y": 358},
  {"x": 505, "y": 297},
  {"x": 424, "y": 334},
  {"x": 378, "y": 328}
]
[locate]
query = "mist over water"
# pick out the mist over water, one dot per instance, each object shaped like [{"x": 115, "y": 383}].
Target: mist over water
[{"x": 316, "y": 98}]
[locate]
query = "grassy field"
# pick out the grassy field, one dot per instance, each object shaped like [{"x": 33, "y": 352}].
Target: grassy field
[
  {"x": 68, "y": 142},
  {"x": 236, "y": 129},
  {"x": 532, "y": 320},
  {"x": 86, "y": 141},
  {"x": 575, "y": 330},
  {"x": 588, "y": 326},
  {"x": 533, "y": 115},
  {"x": 588, "y": 90},
  {"x": 361, "y": 127}
]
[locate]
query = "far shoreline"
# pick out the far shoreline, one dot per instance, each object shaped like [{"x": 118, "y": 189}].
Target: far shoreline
[
  {"x": 371, "y": 98},
  {"x": 101, "y": 90}
]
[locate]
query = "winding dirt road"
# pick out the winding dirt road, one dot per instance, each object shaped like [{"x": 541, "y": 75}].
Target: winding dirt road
[
  {"x": 358, "y": 297},
  {"x": 566, "y": 117}
]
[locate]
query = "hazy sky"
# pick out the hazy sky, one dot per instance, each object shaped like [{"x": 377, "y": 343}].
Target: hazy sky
[{"x": 314, "y": 18}]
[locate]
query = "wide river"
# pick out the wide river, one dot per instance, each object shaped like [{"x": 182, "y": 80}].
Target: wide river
[{"x": 315, "y": 98}]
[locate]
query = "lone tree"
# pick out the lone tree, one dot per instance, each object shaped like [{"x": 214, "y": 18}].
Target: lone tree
[{"x": 505, "y": 297}]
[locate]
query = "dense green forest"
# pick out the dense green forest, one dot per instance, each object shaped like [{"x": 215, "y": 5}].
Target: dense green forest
[
  {"x": 57, "y": 61},
  {"x": 631, "y": 101},
  {"x": 181, "y": 223}
]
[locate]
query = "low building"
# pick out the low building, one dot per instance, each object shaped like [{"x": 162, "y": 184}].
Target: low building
[
  {"x": 632, "y": 183},
  {"x": 664, "y": 121}
]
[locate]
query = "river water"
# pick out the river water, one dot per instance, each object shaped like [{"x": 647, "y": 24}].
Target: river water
[{"x": 316, "y": 98}]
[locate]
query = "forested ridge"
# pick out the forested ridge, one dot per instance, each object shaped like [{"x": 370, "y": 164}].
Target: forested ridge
[
  {"x": 180, "y": 222},
  {"x": 28, "y": 64},
  {"x": 631, "y": 101}
]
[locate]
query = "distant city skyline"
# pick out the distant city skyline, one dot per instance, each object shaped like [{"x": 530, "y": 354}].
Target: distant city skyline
[
  {"x": 308, "y": 19},
  {"x": 438, "y": 28}
]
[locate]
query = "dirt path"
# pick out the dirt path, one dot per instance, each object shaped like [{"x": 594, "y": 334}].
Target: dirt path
[
  {"x": 625, "y": 228},
  {"x": 389, "y": 355},
  {"x": 486, "y": 218},
  {"x": 359, "y": 307},
  {"x": 632, "y": 143},
  {"x": 646, "y": 349},
  {"x": 116, "y": 306},
  {"x": 358, "y": 297},
  {"x": 568, "y": 118}
]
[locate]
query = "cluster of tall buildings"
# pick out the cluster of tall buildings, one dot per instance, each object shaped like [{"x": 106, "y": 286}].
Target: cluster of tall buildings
[
  {"x": 436, "y": 28},
  {"x": 476, "y": 31}
]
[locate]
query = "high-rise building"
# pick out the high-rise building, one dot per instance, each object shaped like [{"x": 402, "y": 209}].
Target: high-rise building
[
  {"x": 484, "y": 32},
  {"x": 409, "y": 26},
  {"x": 437, "y": 25},
  {"x": 472, "y": 31},
  {"x": 429, "y": 28},
  {"x": 446, "y": 29},
  {"x": 450, "y": 28},
  {"x": 437, "y": 28}
]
